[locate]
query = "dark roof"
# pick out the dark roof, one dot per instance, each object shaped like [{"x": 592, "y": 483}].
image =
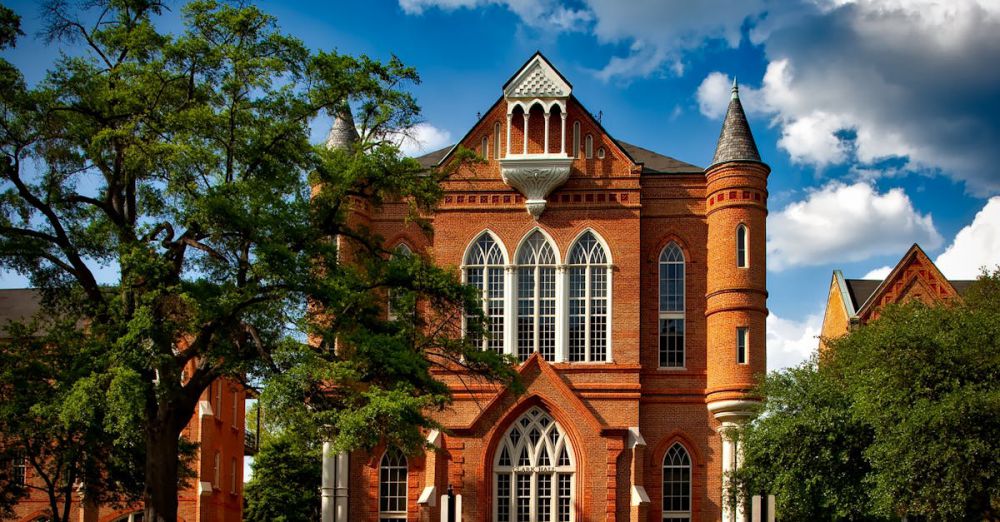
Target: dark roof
[
  {"x": 18, "y": 304},
  {"x": 652, "y": 162},
  {"x": 735, "y": 140},
  {"x": 431, "y": 159},
  {"x": 861, "y": 289}
]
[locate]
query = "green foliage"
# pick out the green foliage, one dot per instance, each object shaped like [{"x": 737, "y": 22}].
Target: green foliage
[
  {"x": 902, "y": 417},
  {"x": 183, "y": 161},
  {"x": 285, "y": 486}
]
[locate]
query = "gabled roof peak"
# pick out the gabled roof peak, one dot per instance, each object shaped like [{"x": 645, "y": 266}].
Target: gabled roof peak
[
  {"x": 736, "y": 141},
  {"x": 537, "y": 78}
]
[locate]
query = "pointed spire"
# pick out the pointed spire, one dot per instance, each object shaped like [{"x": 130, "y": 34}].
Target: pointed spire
[
  {"x": 735, "y": 141},
  {"x": 342, "y": 132}
]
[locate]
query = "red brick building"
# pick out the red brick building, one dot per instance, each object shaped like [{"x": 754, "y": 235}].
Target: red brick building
[
  {"x": 218, "y": 427},
  {"x": 630, "y": 284}
]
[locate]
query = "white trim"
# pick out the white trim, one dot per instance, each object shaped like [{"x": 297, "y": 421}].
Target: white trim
[{"x": 609, "y": 291}]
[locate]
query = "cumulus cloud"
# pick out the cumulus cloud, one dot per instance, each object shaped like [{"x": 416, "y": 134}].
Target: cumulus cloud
[
  {"x": 421, "y": 139},
  {"x": 878, "y": 273},
  {"x": 976, "y": 246},
  {"x": 844, "y": 223},
  {"x": 535, "y": 13},
  {"x": 791, "y": 342}
]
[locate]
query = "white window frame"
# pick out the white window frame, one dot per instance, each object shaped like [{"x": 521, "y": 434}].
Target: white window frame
[
  {"x": 666, "y": 258},
  {"x": 384, "y": 465},
  {"x": 485, "y": 144},
  {"x": 673, "y": 516},
  {"x": 217, "y": 471},
  {"x": 589, "y": 146},
  {"x": 532, "y": 256},
  {"x": 600, "y": 152},
  {"x": 552, "y": 442},
  {"x": 484, "y": 268},
  {"x": 589, "y": 267},
  {"x": 19, "y": 467}
]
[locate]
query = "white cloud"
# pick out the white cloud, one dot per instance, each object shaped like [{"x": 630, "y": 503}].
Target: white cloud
[
  {"x": 421, "y": 139},
  {"x": 791, "y": 342},
  {"x": 975, "y": 246},
  {"x": 715, "y": 90},
  {"x": 878, "y": 273},
  {"x": 843, "y": 223},
  {"x": 535, "y": 13}
]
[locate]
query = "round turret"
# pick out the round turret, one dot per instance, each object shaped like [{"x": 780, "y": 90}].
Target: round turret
[{"x": 736, "y": 308}]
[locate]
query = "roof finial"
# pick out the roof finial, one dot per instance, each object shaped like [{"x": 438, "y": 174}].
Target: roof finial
[{"x": 736, "y": 90}]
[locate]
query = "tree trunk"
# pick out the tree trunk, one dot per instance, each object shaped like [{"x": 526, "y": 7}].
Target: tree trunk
[{"x": 162, "y": 465}]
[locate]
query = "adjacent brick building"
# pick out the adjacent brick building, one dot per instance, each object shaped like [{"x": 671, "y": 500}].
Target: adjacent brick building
[
  {"x": 218, "y": 427},
  {"x": 855, "y": 302},
  {"x": 630, "y": 284}
]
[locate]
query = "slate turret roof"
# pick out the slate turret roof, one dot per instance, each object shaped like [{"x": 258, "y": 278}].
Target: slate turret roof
[
  {"x": 735, "y": 141},
  {"x": 342, "y": 132}
]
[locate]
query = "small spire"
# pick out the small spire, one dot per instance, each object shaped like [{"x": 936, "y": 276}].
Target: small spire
[
  {"x": 736, "y": 141},
  {"x": 342, "y": 132}
]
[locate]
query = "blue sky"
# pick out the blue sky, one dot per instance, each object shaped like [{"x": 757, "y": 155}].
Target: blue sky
[{"x": 880, "y": 119}]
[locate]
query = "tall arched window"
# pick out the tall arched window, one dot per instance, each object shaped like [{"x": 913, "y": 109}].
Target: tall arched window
[
  {"x": 536, "y": 298},
  {"x": 676, "y": 484},
  {"x": 589, "y": 290},
  {"x": 484, "y": 269},
  {"x": 742, "y": 260},
  {"x": 485, "y": 148},
  {"x": 672, "y": 307},
  {"x": 533, "y": 471},
  {"x": 589, "y": 148},
  {"x": 392, "y": 486},
  {"x": 496, "y": 140},
  {"x": 576, "y": 139},
  {"x": 392, "y": 305}
]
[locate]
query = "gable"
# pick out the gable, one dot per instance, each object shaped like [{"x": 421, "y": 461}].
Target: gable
[
  {"x": 914, "y": 277},
  {"x": 839, "y": 312}
]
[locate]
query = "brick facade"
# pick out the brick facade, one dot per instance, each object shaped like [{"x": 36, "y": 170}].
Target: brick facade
[
  {"x": 623, "y": 415},
  {"x": 218, "y": 426}
]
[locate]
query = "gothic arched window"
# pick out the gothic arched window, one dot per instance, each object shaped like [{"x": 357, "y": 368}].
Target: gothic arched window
[
  {"x": 533, "y": 471},
  {"x": 672, "y": 307},
  {"x": 589, "y": 299},
  {"x": 576, "y": 139},
  {"x": 484, "y": 269},
  {"x": 392, "y": 486},
  {"x": 536, "y": 297},
  {"x": 589, "y": 147},
  {"x": 742, "y": 259},
  {"x": 496, "y": 140},
  {"x": 676, "y": 484}
]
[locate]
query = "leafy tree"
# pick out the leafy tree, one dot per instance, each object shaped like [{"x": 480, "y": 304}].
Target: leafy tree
[
  {"x": 285, "y": 485},
  {"x": 183, "y": 161},
  {"x": 900, "y": 417},
  {"x": 806, "y": 448}
]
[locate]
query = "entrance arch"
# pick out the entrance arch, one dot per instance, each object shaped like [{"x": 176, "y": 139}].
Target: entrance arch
[{"x": 534, "y": 471}]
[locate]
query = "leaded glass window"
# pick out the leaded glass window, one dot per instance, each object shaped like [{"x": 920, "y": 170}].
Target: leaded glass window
[
  {"x": 536, "y": 298},
  {"x": 676, "y": 484},
  {"x": 538, "y": 485},
  {"x": 672, "y": 307},
  {"x": 392, "y": 486},
  {"x": 484, "y": 269},
  {"x": 589, "y": 293}
]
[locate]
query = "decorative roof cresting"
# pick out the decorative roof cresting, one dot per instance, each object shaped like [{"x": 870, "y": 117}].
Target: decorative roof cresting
[{"x": 736, "y": 141}]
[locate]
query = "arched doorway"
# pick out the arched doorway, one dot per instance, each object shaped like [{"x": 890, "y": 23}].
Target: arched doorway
[{"x": 534, "y": 471}]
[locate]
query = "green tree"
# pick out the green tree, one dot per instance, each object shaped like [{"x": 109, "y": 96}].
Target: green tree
[
  {"x": 183, "y": 161},
  {"x": 285, "y": 485},
  {"x": 900, "y": 417}
]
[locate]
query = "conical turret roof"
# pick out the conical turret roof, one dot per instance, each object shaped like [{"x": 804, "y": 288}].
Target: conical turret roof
[
  {"x": 735, "y": 141},
  {"x": 342, "y": 132}
]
